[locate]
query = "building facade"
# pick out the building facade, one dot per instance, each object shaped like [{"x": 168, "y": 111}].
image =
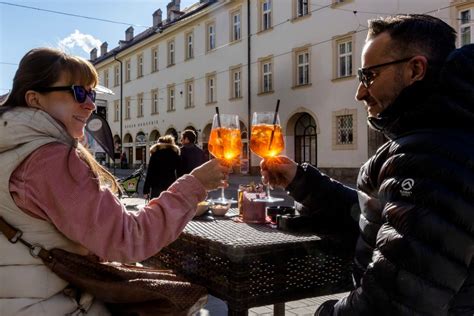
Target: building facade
[{"x": 243, "y": 56}]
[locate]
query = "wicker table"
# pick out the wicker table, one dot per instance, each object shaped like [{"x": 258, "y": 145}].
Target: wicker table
[{"x": 254, "y": 265}]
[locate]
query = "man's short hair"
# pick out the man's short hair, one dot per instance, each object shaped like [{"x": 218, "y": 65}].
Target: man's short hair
[
  {"x": 415, "y": 34},
  {"x": 190, "y": 135}
]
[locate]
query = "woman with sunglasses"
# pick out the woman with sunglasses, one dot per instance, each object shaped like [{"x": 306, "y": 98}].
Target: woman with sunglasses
[{"x": 53, "y": 190}]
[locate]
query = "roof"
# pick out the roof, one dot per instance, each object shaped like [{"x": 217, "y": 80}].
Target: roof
[{"x": 194, "y": 9}]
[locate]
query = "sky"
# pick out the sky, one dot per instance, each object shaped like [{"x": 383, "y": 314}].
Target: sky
[{"x": 22, "y": 28}]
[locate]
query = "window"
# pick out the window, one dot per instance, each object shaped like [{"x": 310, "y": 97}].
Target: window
[
  {"x": 211, "y": 88},
  {"x": 106, "y": 78},
  {"x": 140, "y": 66},
  {"x": 171, "y": 56},
  {"x": 344, "y": 60},
  {"x": 265, "y": 9},
  {"x": 189, "y": 93},
  {"x": 302, "y": 71},
  {"x": 465, "y": 17},
  {"x": 343, "y": 63},
  {"x": 235, "y": 26},
  {"x": 465, "y": 28},
  {"x": 116, "y": 76},
  {"x": 235, "y": 79},
  {"x": 340, "y": 2},
  {"x": 140, "y": 105},
  {"x": 154, "y": 59},
  {"x": 171, "y": 98},
  {"x": 266, "y": 75},
  {"x": 344, "y": 129},
  {"x": 302, "y": 8},
  {"x": 116, "y": 110},
  {"x": 127, "y": 70},
  {"x": 154, "y": 101},
  {"x": 127, "y": 108},
  {"x": 189, "y": 45},
  {"x": 211, "y": 36},
  {"x": 306, "y": 141}
]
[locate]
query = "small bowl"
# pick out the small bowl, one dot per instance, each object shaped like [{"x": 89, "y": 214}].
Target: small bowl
[
  {"x": 219, "y": 209},
  {"x": 202, "y": 208}
]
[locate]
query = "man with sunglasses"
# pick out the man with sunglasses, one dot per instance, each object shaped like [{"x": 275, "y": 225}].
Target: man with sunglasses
[{"x": 414, "y": 203}]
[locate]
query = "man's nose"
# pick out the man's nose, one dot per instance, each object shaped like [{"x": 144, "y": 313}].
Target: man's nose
[{"x": 362, "y": 92}]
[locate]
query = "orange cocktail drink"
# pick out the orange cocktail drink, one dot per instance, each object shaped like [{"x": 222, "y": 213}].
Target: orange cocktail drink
[
  {"x": 266, "y": 141},
  {"x": 225, "y": 143},
  {"x": 261, "y": 136}
]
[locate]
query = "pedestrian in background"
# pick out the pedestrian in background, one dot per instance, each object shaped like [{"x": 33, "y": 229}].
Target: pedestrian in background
[
  {"x": 60, "y": 197},
  {"x": 414, "y": 203},
  {"x": 123, "y": 161},
  {"x": 191, "y": 155},
  {"x": 162, "y": 169}
]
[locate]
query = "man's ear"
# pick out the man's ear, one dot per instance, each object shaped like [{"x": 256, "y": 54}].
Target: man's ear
[
  {"x": 418, "y": 67},
  {"x": 32, "y": 99}
]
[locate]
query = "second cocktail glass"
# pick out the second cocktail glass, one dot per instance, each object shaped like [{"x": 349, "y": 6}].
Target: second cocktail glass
[
  {"x": 266, "y": 141},
  {"x": 225, "y": 144}
]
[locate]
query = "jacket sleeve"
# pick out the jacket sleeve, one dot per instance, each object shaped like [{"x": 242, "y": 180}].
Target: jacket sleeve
[
  {"x": 180, "y": 167},
  {"x": 326, "y": 198},
  {"x": 150, "y": 173}
]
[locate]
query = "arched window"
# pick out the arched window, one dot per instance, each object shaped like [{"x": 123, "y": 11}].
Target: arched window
[
  {"x": 171, "y": 131},
  {"x": 306, "y": 140}
]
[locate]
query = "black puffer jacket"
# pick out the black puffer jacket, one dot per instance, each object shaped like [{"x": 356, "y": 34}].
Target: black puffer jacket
[
  {"x": 414, "y": 254},
  {"x": 161, "y": 173}
]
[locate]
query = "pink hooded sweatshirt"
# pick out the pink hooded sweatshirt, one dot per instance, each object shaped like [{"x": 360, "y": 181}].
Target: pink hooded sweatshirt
[{"x": 54, "y": 184}]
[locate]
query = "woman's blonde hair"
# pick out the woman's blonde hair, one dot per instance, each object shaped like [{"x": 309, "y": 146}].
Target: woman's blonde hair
[
  {"x": 42, "y": 67},
  {"x": 167, "y": 139}
]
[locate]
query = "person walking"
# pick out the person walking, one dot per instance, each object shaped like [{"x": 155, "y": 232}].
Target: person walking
[
  {"x": 191, "y": 155},
  {"x": 123, "y": 161},
  {"x": 164, "y": 162},
  {"x": 414, "y": 200},
  {"x": 60, "y": 197}
]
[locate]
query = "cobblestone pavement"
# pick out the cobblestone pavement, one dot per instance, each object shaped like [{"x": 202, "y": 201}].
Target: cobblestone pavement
[{"x": 306, "y": 307}]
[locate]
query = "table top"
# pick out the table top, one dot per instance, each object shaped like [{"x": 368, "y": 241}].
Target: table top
[
  {"x": 227, "y": 230},
  {"x": 255, "y": 264}
]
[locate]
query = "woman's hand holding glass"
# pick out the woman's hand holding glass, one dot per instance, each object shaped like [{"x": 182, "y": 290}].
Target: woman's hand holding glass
[{"x": 212, "y": 174}]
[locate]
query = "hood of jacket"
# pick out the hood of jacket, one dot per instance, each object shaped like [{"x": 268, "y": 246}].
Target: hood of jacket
[
  {"x": 22, "y": 125},
  {"x": 446, "y": 102}
]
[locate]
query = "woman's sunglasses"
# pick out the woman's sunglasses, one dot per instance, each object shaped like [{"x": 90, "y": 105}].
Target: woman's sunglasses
[{"x": 80, "y": 93}]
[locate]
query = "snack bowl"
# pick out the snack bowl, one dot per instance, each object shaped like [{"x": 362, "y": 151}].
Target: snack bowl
[
  {"x": 219, "y": 209},
  {"x": 202, "y": 208}
]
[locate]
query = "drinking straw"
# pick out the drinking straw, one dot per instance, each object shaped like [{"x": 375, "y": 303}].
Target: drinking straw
[
  {"x": 218, "y": 122},
  {"x": 274, "y": 123},
  {"x": 218, "y": 117}
]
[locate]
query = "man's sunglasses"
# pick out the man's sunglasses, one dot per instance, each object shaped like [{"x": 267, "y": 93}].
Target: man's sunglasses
[
  {"x": 367, "y": 76},
  {"x": 79, "y": 92}
]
